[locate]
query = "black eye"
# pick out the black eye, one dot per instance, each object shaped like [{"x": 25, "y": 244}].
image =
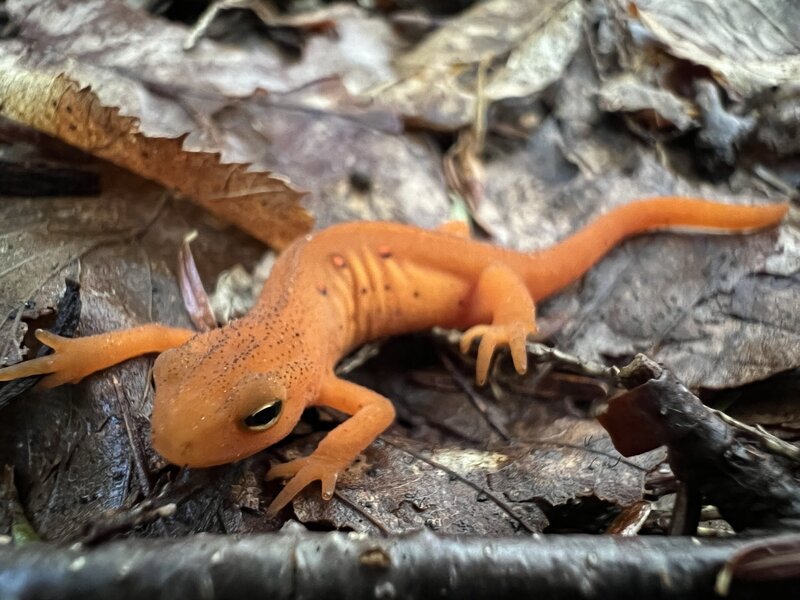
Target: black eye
[{"x": 265, "y": 417}]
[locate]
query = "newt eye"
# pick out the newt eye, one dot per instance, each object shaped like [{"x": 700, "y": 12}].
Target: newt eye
[{"x": 265, "y": 417}]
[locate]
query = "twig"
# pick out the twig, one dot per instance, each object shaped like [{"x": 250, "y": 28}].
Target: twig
[
  {"x": 771, "y": 442},
  {"x": 467, "y": 387},
  {"x": 753, "y": 487},
  {"x": 481, "y": 490},
  {"x": 136, "y": 449}
]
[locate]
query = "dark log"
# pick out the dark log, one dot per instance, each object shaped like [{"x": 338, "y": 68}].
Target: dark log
[{"x": 300, "y": 564}]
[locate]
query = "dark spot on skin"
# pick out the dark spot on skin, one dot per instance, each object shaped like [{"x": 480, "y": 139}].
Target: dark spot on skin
[
  {"x": 386, "y": 287},
  {"x": 416, "y": 294},
  {"x": 462, "y": 302},
  {"x": 322, "y": 290},
  {"x": 363, "y": 291},
  {"x": 384, "y": 252}
]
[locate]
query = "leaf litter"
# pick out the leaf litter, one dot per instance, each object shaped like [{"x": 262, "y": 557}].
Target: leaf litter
[{"x": 570, "y": 95}]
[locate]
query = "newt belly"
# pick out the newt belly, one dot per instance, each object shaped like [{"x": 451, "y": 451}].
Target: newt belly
[{"x": 226, "y": 394}]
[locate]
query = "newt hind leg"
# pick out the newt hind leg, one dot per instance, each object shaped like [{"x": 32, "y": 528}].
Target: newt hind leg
[
  {"x": 502, "y": 296},
  {"x": 371, "y": 415}
]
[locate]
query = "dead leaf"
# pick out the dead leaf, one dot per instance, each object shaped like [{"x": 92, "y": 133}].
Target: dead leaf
[
  {"x": 540, "y": 58},
  {"x": 452, "y": 472},
  {"x": 213, "y": 100},
  {"x": 749, "y": 46},
  {"x": 626, "y": 93},
  {"x": 572, "y": 459},
  {"x": 261, "y": 204},
  {"x": 353, "y": 156},
  {"x": 771, "y": 403},
  {"x": 361, "y": 52},
  {"x": 463, "y": 170},
  {"x": 269, "y": 16},
  {"x": 527, "y": 45},
  {"x": 194, "y": 295},
  {"x": 779, "y": 122},
  {"x": 391, "y": 490},
  {"x": 701, "y": 303},
  {"x": 723, "y": 134},
  {"x": 434, "y": 97},
  {"x": 722, "y": 322}
]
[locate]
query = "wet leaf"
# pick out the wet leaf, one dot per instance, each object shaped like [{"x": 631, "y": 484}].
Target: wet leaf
[
  {"x": 573, "y": 459},
  {"x": 354, "y": 156},
  {"x": 540, "y": 57},
  {"x": 81, "y": 450},
  {"x": 779, "y": 123}
]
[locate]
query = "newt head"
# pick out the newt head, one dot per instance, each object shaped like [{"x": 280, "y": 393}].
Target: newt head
[{"x": 209, "y": 410}]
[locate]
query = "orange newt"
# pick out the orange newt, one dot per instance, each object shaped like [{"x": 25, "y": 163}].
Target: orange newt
[{"x": 228, "y": 393}]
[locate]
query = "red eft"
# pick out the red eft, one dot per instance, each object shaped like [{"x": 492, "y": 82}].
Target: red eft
[{"x": 228, "y": 393}]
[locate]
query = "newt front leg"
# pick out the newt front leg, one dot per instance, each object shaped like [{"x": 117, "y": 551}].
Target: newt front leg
[
  {"x": 75, "y": 358},
  {"x": 371, "y": 415}
]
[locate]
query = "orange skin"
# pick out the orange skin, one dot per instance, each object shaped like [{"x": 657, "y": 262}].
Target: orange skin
[{"x": 229, "y": 393}]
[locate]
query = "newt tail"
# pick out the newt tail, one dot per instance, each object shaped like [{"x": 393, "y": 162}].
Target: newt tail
[
  {"x": 554, "y": 268},
  {"x": 228, "y": 393}
]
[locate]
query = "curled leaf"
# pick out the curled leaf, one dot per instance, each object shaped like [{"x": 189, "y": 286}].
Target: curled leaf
[{"x": 261, "y": 203}]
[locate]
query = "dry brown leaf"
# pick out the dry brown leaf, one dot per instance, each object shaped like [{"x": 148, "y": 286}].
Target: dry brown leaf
[{"x": 263, "y": 205}]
